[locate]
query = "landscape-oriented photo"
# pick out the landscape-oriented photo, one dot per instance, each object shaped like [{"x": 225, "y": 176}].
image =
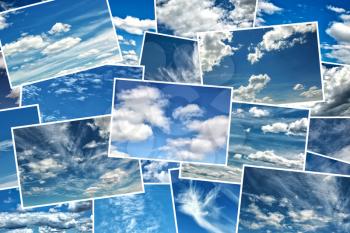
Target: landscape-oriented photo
[
  {"x": 72, "y": 217},
  {"x": 56, "y": 160},
  {"x": 12, "y": 118},
  {"x": 186, "y": 18},
  {"x": 70, "y": 36},
  {"x": 279, "y": 64},
  {"x": 9, "y": 98},
  {"x": 150, "y": 212},
  {"x": 131, "y": 22},
  {"x": 202, "y": 206},
  {"x": 170, "y": 59},
  {"x": 157, "y": 171},
  {"x": 260, "y": 135},
  {"x": 170, "y": 122},
  {"x": 332, "y": 17},
  {"x": 89, "y": 93},
  {"x": 330, "y": 137},
  {"x": 318, "y": 163},
  {"x": 289, "y": 201}
]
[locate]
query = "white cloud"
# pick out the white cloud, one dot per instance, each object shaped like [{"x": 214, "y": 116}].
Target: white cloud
[
  {"x": 5, "y": 145},
  {"x": 313, "y": 93},
  {"x": 89, "y": 53},
  {"x": 271, "y": 157},
  {"x": 257, "y": 112},
  {"x": 45, "y": 166},
  {"x": 256, "y": 84},
  {"x": 3, "y": 23},
  {"x": 270, "y": 219},
  {"x": 186, "y": 18},
  {"x": 134, "y": 25},
  {"x": 59, "y": 28},
  {"x": 185, "y": 113},
  {"x": 156, "y": 170},
  {"x": 15, "y": 93},
  {"x": 268, "y": 7},
  {"x": 139, "y": 110},
  {"x": 298, "y": 127},
  {"x": 61, "y": 45},
  {"x": 23, "y": 44},
  {"x": 298, "y": 87},
  {"x": 336, "y": 9},
  {"x": 211, "y": 135},
  {"x": 339, "y": 31},
  {"x": 281, "y": 37},
  {"x": 213, "y": 49}
]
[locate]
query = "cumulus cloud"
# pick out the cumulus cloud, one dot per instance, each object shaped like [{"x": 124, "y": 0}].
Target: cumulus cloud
[
  {"x": 257, "y": 112},
  {"x": 186, "y": 18},
  {"x": 213, "y": 48},
  {"x": 211, "y": 135},
  {"x": 156, "y": 171},
  {"x": 296, "y": 128},
  {"x": 58, "y": 28},
  {"x": 134, "y": 25},
  {"x": 185, "y": 113},
  {"x": 265, "y": 7},
  {"x": 255, "y": 85},
  {"x": 281, "y": 37},
  {"x": 137, "y": 112},
  {"x": 24, "y": 44},
  {"x": 3, "y": 22},
  {"x": 298, "y": 87},
  {"x": 270, "y": 156},
  {"x": 336, "y": 9},
  {"x": 313, "y": 93}
]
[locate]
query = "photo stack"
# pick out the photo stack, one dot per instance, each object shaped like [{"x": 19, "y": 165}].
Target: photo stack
[{"x": 175, "y": 116}]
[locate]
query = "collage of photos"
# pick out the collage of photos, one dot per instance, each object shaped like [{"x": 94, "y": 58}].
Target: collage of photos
[{"x": 174, "y": 116}]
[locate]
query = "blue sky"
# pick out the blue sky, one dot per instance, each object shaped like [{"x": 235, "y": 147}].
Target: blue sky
[
  {"x": 12, "y": 118},
  {"x": 11, "y": 4},
  {"x": 89, "y": 93},
  {"x": 276, "y": 201},
  {"x": 150, "y": 212},
  {"x": 156, "y": 171},
  {"x": 55, "y": 163},
  {"x": 71, "y": 36},
  {"x": 264, "y": 65},
  {"x": 330, "y": 137},
  {"x": 185, "y": 18},
  {"x": 333, "y": 22},
  {"x": 8, "y": 98},
  {"x": 203, "y": 206},
  {"x": 170, "y": 122},
  {"x": 319, "y": 163},
  {"x": 171, "y": 59},
  {"x": 131, "y": 22},
  {"x": 71, "y": 217},
  {"x": 260, "y": 135}
]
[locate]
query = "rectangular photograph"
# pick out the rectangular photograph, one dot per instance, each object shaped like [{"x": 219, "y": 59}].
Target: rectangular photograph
[
  {"x": 332, "y": 17},
  {"x": 71, "y": 217},
  {"x": 86, "y": 93},
  {"x": 203, "y": 207},
  {"x": 293, "y": 201},
  {"x": 320, "y": 163},
  {"x": 261, "y": 135},
  {"x": 149, "y": 212},
  {"x": 329, "y": 136},
  {"x": 11, "y": 118},
  {"x": 67, "y": 161},
  {"x": 186, "y": 18},
  {"x": 157, "y": 172},
  {"x": 170, "y": 122},
  {"x": 70, "y": 36},
  {"x": 279, "y": 64},
  {"x": 170, "y": 59}
]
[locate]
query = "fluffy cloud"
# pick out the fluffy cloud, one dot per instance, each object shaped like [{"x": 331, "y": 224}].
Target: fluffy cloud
[
  {"x": 298, "y": 87},
  {"x": 61, "y": 45},
  {"x": 134, "y": 25},
  {"x": 3, "y": 23},
  {"x": 298, "y": 127},
  {"x": 24, "y": 44},
  {"x": 213, "y": 48},
  {"x": 186, "y": 18},
  {"x": 59, "y": 28},
  {"x": 156, "y": 170},
  {"x": 15, "y": 94},
  {"x": 137, "y": 112},
  {"x": 187, "y": 112},
  {"x": 257, "y": 112},
  {"x": 336, "y": 9},
  {"x": 281, "y": 37},
  {"x": 256, "y": 84},
  {"x": 313, "y": 93},
  {"x": 211, "y": 135},
  {"x": 270, "y": 156},
  {"x": 265, "y": 7}
]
